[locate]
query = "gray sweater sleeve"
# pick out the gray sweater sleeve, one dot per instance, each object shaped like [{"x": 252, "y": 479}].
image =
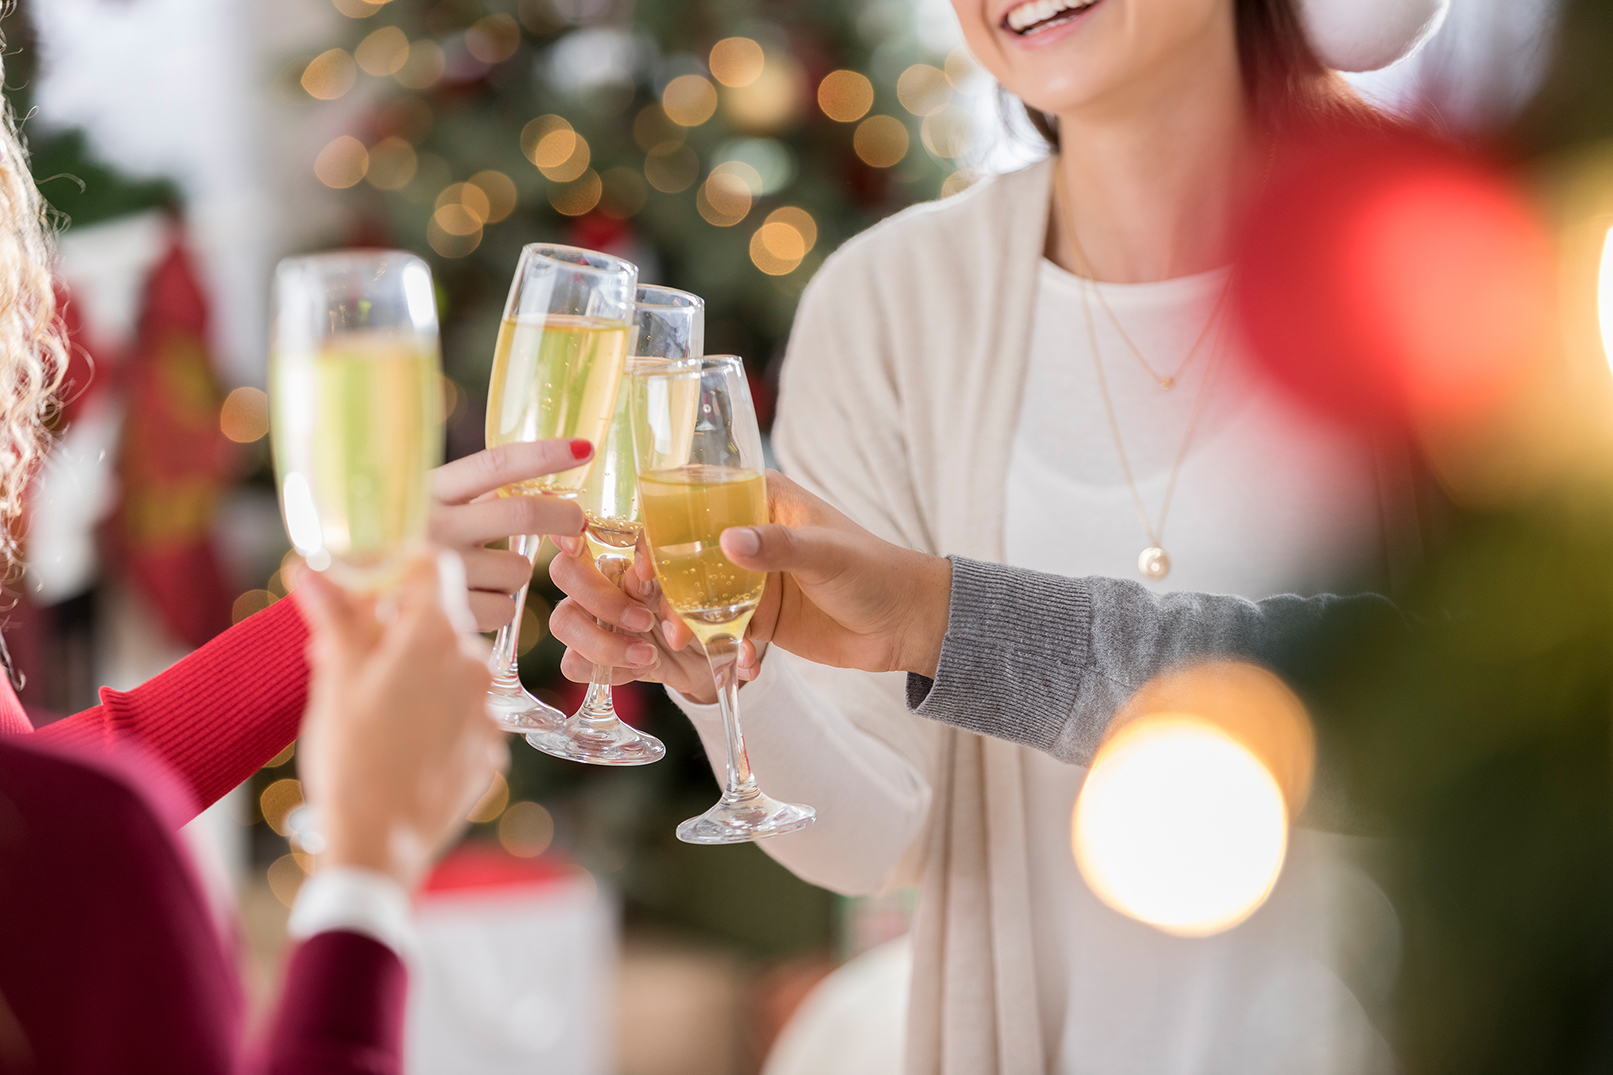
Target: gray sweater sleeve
[{"x": 1046, "y": 661}]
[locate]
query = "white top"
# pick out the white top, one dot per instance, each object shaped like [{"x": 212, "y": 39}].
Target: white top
[{"x": 1268, "y": 501}]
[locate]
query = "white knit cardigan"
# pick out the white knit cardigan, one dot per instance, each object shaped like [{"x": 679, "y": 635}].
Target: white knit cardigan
[{"x": 900, "y": 396}]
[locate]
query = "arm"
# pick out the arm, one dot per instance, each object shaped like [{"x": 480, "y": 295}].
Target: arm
[
  {"x": 1046, "y": 661},
  {"x": 1037, "y": 659},
  {"x": 221, "y": 713}
]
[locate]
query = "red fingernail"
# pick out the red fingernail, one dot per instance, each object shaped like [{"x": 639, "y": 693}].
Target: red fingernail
[{"x": 581, "y": 449}]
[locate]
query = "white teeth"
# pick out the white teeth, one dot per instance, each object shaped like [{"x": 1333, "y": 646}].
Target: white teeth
[{"x": 1027, "y": 15}]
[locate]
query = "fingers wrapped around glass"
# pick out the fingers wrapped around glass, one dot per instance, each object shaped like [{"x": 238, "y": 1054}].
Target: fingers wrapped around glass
[
  {"x": 557, "y": 370},
  {"x": 668, "y": 325},
  {"x": 700, "y": 471}
]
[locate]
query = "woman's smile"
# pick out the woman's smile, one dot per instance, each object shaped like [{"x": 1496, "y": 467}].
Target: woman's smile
[{"x": 1037, "y": 23}]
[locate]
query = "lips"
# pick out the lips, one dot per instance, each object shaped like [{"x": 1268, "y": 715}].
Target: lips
[{"x": 1035, "y": 16}]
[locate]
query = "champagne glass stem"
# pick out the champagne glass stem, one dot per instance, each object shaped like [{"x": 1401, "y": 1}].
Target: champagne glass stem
[
  {"x": 596, "y": 705},
  {"x": 506, "y": 671},
  {"x": 722, "y": 653}
]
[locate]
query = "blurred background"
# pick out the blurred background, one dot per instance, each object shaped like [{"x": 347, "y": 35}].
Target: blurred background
[{"x": 726, "y": 146}]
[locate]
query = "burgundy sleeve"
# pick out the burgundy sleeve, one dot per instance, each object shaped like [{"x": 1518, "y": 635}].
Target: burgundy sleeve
[
  {"x": 341, "y": 1010},
  {"x": 215, "y": 717}
]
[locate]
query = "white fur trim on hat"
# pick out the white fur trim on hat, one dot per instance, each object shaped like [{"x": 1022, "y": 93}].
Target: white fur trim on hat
[{"x": 1365, "y": 35}]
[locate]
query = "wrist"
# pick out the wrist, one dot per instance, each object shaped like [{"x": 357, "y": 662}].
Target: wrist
[
  {"x": 384, "y": 849},
  {"x": 925, "y": 626}
]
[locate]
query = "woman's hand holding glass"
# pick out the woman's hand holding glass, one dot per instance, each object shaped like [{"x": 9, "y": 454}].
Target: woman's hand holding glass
[
  {"x": 836, "y": 595},
  {"x": 468, "y": 513},
  {"x": 396, "y": 744}
]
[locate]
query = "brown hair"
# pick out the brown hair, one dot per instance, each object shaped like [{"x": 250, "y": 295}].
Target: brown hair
[{"x": 1284, "y": 81}]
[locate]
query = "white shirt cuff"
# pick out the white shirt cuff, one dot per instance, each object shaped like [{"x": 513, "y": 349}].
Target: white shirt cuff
[{"x": 356, "y": 901}]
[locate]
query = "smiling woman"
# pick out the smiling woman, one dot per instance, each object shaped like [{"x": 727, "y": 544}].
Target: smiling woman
[{"x": 1038, "y": 372}]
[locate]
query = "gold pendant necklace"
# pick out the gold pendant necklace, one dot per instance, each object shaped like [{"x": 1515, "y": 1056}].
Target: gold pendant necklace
[{"x": 1153, "y": 562}]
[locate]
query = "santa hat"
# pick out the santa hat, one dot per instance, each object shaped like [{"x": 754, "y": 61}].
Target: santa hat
[{"x": 1365, "y": 35}]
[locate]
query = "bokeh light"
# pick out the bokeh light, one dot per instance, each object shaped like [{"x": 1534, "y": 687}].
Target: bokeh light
[
  {"x": 526, "y": 829},
  {"x": 285, "y": 877},
  {"x": 1392, "y": 277},
  {"x": 424, "y": 66},
  {"x": 383, "y": 52},
  {"x": 393, "y": 163},
  {"x": 251, "y": 603},
  {"x": 470, "y": 197},
  {"x": 689, "y": 100},
  {"x": 958, "y": 182},
  {"x": 769, "y": 102},
  {"x": 923, "y": 90},
  {"x": 946, "y": 133},
  {"x": 724, "y": 199},
  {"x": 358, "y": 9},
  {"x": 499, "y": 190},
  {"x": 777, "y": 248},
  {"x": 845, "y": 96},
  {"x": 533, "y": 617},
  {"x": 963, "y": 74},
  {"x": 736, "y": 61},
  {"x": 579, "y": 196},
  {"x": 329, "y": 75},
  {"x": 1604, "y": 296},
  {"x": 880, "y": 141},
  {"x": 492, "y": 802},
  {"x": 277, "y": 802},
  {"x": 1180, "y": 826},
  {"x": 244, "y": 417},
  {"x": 494, "y": 38},
  {"x": 454, "y": 230},
  {"x": 342, "y": 163},
  {"x": 671, "y": 167},
  {"x": 1182, "y": 821}
]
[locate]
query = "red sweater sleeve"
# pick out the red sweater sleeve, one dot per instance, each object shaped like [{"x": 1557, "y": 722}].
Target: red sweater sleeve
[{"x": 215, "y": 717}]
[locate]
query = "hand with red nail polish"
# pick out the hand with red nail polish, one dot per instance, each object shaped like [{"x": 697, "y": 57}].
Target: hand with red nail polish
[{"x": 475, "y": 505}]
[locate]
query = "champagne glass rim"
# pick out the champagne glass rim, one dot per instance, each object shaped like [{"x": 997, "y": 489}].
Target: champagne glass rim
[
  {"x": 579, "y": 259},
  {"x": 348, "y": 257},
  {"x": 656, "y": 297},
  {"x": 673, "y": 367}
]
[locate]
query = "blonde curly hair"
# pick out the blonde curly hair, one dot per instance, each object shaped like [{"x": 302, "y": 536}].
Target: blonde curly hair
[{"x": 33, "y": 338}]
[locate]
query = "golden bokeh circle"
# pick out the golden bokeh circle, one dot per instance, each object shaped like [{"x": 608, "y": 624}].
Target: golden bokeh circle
[
  {"x": 881, "y": 141},
  {"x": 689, "y": 100},
  {"x": 736, "y": 61},
  {"x": 845, "y": 96}
]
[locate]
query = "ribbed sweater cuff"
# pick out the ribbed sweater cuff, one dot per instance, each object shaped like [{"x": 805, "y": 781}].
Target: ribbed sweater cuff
[{"x": 1011, "y": 664}]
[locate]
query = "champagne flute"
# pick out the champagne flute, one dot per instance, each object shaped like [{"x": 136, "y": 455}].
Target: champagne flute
[
  {"x": 700, "y": 472},
  {"x": 557, "y": 368},
  {"x": 355, "y": 407},
  {"x": 667, "y": 324}
]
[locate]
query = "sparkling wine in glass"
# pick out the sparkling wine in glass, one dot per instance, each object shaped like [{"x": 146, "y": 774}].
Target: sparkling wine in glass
[
  {"x": 355, "y": 408},
  {"x": 700, "y": 471},
  {"x": 557, "y": 370},
  {"x": 667, "y": 325}
]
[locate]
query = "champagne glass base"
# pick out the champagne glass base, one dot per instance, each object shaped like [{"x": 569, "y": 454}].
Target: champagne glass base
[
  {"x": 614, "y": 743},
  {"x": 516, "y": 710},
  {"x": 738, "y": 821}
]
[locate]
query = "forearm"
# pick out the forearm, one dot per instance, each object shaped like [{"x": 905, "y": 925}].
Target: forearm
[
  {"x": 871, "y": 801},
  {"x": 215, "y": 717},
  {"x": 1045, "y": 661},
  {"x": 341, "y": 1009}
]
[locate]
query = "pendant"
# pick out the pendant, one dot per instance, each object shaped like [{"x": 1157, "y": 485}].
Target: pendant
[
  {"x": 1153, "y": 563},
  {"x": 1168, "y": 383}
]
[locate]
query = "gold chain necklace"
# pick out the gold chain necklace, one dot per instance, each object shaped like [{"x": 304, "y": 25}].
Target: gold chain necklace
[
  {"x": 1067, "y": 225},
  {"x": 1152, "y": 561}
]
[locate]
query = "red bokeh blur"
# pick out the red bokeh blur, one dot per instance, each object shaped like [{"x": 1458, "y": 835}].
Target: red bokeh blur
[{"x": 1385, "y": 276}]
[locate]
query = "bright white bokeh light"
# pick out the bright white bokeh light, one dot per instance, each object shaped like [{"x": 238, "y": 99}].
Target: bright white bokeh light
[
  {"x": 1604, "y": 295},
  {"x": 1181, "y": 827}
]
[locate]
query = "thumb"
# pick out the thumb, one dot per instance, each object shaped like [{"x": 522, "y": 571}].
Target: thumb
[{"x": 810, "y": 554}]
